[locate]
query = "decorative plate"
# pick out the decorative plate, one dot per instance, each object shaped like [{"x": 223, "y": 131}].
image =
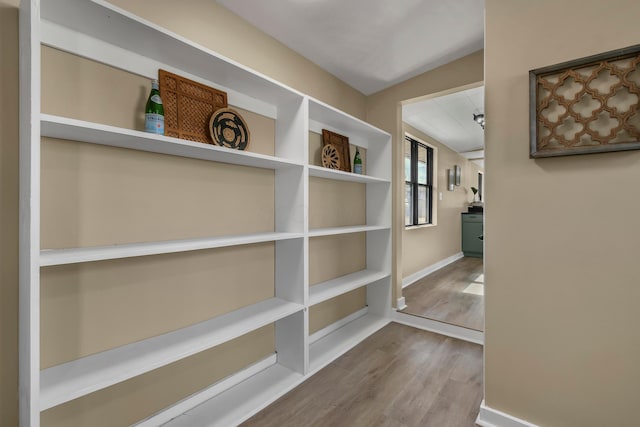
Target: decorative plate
[
  {"x": 330, "y": 157},
  {"x": 228, "y": 129}
]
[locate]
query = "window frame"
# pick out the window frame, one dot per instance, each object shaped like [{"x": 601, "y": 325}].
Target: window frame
[{"x": 415, "y": 185}]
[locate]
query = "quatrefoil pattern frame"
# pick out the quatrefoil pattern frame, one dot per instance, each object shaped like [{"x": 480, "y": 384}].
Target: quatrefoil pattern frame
[{"x": 559, "y": 126}]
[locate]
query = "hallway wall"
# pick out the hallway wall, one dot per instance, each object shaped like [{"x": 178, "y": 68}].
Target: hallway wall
[{"x": 561, "y": 247}]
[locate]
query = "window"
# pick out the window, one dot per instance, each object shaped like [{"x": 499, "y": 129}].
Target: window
[{"x": 418, "y": 176}]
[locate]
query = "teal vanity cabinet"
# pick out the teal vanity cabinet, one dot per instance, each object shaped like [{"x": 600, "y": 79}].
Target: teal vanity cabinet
[{"x": 472, "y": 234}]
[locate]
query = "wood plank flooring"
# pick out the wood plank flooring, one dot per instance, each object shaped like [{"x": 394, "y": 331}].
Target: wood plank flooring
[
  {"x": 398, "y": 377},
  {"x": 441, "y": 295}
]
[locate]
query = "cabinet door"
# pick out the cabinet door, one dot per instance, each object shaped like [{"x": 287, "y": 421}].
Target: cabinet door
[{"x": 471, "y": 242}]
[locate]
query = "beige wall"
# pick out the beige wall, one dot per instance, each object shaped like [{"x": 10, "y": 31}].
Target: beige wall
[
  {"x": 384, "y": 111},
  {"x": 210, "y": 24},
  {"x": 562, "y": 340},
  {"x": 424, "y": 246}
]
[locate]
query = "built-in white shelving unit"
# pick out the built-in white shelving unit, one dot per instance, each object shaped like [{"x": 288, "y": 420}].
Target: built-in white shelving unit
[{"x": 97, "y": 30}]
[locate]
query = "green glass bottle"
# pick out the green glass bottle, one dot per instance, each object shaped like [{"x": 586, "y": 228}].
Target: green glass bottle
[
  {"x": 154, "y": 111},
  {"x": 357, "y": 162}
]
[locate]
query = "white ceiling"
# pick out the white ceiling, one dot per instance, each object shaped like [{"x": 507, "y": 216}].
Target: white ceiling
[
  {"x": 374, "y": 44},
  {"x": 449, "y": 120},
  {"x": 371, "y": 44}
]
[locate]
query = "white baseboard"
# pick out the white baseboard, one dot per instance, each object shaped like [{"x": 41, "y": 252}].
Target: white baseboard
[
  {"x": 337, "y": 325},
  {"x": 401, "y": 303},
  {"x": 412, "y": 278},
  {"x": 488, "y": 417},
  {"x": 441, "y": 328}
]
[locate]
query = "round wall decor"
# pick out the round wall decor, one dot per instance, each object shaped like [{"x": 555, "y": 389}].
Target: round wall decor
[
  {"x": 228, "y": 129},
  {"x": 331, "y": 157}
]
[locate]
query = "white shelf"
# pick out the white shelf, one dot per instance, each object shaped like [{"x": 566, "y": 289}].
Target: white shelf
[
  {"x": 335, "y": 344},
  {"x": 241, "y": 402},
  {"x": 331, "y": 117},
  {"x": 105, "y": 22},
  {"x": 98, "y": 253},
  {"x": 317, "y": 232},
  {"x": 320, "y": 172},
  {"x": 338, "y": 286},
  {"x": 77, "y": 378},
  {"x": 99, "y": 31},
  {"x": 95, "y": 133}
]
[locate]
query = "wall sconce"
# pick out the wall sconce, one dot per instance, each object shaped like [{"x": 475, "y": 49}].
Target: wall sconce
[
  {"x": 452, "y": 179},
  {"x": 458, "y": 174},
  {"x": 479, "y": 118}
]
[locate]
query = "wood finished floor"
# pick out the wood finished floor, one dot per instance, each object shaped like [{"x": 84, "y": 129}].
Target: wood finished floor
[
  {"x": 398, "y": 377},
  {"x": 440, "y": 296}
]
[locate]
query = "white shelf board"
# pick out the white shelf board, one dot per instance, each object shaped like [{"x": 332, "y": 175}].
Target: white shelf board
[
  {"x": 335, "y": 344},
  {"x": 338, "y": 286},
  {"x": 106, "y": 22},
  {"x": 320, "y": 172},
  {"x": 332, "y": 117},
  {"x": 317, "y": 232},
  {"x": 77, "y": 378},
  {"x": 199, "y": 397},
  {"x": 239, "y": 403},
  {"x": 98, "y": 253},
  {"x": 95, "y": 133}
]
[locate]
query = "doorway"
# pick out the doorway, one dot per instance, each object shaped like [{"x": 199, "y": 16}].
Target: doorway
[{"x": 443, "y": 272}]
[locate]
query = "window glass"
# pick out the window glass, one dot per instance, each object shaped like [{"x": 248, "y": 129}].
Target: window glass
[
  {"x": 418, "y": 171},
  {"x": 422, "y": 164},
  {"x": 422, "y": 205},
  {"x": 408, "y": 205},
  {"x": 407, "y": 160}
]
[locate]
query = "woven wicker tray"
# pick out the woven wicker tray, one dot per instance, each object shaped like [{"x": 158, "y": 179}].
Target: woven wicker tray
[{"x": 188, "y": 106}]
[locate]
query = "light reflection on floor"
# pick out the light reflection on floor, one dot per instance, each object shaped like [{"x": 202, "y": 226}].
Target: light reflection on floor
[{"x": 474, "y": 288}]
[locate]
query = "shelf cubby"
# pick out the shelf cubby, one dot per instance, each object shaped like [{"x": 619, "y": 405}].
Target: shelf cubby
[
  {"x": 240, "y": 402},
  {"x": 80, "y": 377},
  {"x": 333, "y": 345},
  {"x": 332, "y": 288}
]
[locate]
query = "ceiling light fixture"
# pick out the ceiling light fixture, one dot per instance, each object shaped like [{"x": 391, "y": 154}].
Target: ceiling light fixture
[{"x": 479, "y": 118}]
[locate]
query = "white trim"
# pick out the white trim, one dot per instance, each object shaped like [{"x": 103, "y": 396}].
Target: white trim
[
  {"x": 401, "y": 303},
  {"x": 488, "y": 417},
  {"x": 441, "y": 328},
  {"x": 337, "y": 325},
  {"x": 412, "y": 278}
]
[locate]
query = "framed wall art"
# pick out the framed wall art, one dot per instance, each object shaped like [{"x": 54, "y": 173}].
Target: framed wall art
[{"x": 588, "y": 105}]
